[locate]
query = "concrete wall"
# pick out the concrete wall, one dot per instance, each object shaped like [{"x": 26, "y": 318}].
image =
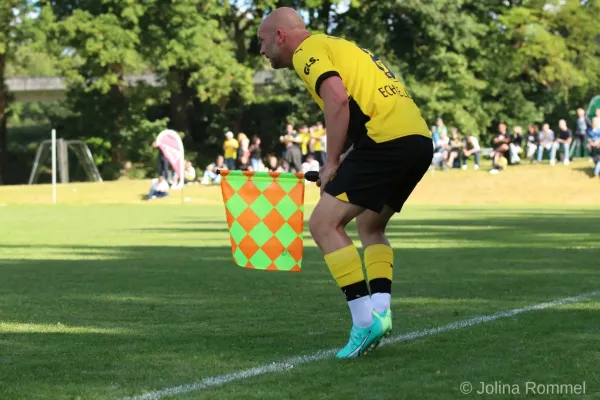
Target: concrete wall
[{"x": 53, "y": 88}]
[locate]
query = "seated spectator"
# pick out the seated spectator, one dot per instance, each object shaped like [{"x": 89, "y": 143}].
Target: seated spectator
[
  {"x": 593, "y": 137},
  {"x": 532, "y": 141},
  {"x": 516, "y": 145},
  {"x": 244, "y": 163},
  {"x": 501, "y": 149},
  {"x": 455, "y": 146},
  {"x": 470, "y": 149},
  {"x": 564, "y": 138},
  {"x": 210, "y": 174},
  {"x": 189, "y": 174},
  {"x": 159, "y": 188},
  {"x": 273, "y": 165},
  {"x": 546, "y": 140},
  {"x": 310, "y": 164}
]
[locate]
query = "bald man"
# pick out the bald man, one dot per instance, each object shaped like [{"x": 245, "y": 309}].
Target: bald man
[{"x": 366, "y": 105}]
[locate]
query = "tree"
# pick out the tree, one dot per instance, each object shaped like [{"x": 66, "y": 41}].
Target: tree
[
  {"x": 183, "y": 43},
  {"x": 18, "y": 31},
  {"x": 99, "y": 46}
]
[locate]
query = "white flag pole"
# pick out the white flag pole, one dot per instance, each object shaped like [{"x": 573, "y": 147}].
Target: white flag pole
[{"x": 53, "y": 166}]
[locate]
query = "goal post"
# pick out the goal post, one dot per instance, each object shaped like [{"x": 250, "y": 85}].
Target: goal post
[{"x": 57, "y": 150}]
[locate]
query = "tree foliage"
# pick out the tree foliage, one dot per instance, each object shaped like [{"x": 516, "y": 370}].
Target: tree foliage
[{"x": 473, "y": 63}]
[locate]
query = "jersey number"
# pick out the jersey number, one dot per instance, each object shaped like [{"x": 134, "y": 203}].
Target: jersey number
[{"x": 379, "y": 63}]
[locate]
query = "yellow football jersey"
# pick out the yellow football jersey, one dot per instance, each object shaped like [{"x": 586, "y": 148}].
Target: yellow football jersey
[
  {"x": 381, "y": 109},
  {"x": 318, "y": 145}
]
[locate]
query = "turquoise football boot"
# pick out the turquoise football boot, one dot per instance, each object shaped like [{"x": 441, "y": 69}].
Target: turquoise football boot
[
  {"x": 363, "y": 340},
  {"x": 386, "y": 322}
]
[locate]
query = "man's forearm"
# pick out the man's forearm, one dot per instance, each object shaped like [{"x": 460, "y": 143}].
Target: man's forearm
[{"x": 337, "y": 118}]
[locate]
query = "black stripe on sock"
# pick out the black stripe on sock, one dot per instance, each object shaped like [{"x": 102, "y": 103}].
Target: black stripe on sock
[
  {"x": 380, "y": 285},
  {"x": 356, "y": 290}
]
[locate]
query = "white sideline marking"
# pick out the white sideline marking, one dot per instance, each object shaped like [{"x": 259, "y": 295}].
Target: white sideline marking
[{"x": 290, "y": 363}]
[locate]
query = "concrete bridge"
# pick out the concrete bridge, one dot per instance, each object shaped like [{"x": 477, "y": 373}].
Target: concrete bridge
[{"x": 53, "y": 88}]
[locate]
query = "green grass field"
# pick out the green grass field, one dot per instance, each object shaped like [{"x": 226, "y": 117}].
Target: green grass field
[{"x": 106, "y": 301}]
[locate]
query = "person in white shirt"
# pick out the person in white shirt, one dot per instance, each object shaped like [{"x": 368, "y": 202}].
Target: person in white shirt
[
  {"x": 159, "y": 188},
  {"x": 546, "y": 139},
  {"x": 470, "y": 149},
  {"x": 310, "y": 164}
]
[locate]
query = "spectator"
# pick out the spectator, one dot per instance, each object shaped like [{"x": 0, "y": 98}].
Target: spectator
[
  {"x": 293, "y": 153},
  {"x": 439, "y": 128},
  {"x": 310, "y": 164},
  {"x": 210, "y": 173},
  {"x": 306, "y": 146},
  {"x": 289, "y": 131},
  {"x": 159, "y": 188},
  {"x": 564, "y": 138},
  {"x": 593, "y": 137},
  {"x": 455, "y": 146},
  {"x": 317, "y": 136},
  {"x": 189, "y": 173},
  {"x": 230, "y": 147},
  {"x": 532, "y": 141},
  {"x": 546, "y": 142},
  {"x": 273, "y": 165},
  {"x": 582, "y": 125},
  {"x": 500, "y": 145},
  {"x": 470, "y": 148},
  {"x": 163, "y": 163},
  {"x": 516, "y": 145},
  {"x": 244, "y": 149},
  {"x": 441, "y": 149},
  {"x": 244, "y": 163},
  {"x": 255, "y": 154}
]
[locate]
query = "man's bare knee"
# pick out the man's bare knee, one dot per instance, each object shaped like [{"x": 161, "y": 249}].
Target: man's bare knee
[{"x": 329, "y": 218}]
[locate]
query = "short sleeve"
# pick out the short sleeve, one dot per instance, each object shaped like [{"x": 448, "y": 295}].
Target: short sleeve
[{"x": 313, "y": 65}]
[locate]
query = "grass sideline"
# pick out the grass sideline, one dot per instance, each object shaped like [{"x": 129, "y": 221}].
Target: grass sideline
[
  {"x": 106, "y": 301},
  {"x": 519, "y": 185}
]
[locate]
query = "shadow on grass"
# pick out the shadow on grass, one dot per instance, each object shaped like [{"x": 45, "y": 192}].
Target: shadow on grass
[
  {"x": 589, "y": 171},
  {"x": 189, "y": 312},
  {"x": 484, "y": 225}
]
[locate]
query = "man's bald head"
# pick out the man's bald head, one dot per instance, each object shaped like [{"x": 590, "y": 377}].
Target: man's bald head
[{"x": 280, "y": 34}]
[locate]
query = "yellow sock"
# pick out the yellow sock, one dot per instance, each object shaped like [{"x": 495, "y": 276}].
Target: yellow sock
[
  {"x": 345, "y": 266},
  {"x": 379, "y": 261}
]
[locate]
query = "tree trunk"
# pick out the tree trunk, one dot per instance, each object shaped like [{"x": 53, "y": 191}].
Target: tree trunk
[
  {"x": 3, "y": 120},
  {"x": 181, "y": 102}
]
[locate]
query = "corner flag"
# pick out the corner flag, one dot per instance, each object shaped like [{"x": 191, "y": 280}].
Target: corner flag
[{"x": 265, "y": 216}]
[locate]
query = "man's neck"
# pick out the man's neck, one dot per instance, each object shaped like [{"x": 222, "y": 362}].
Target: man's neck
[{"x": 298, "y": 38}]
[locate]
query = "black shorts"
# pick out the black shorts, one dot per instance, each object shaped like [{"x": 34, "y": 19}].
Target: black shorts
[{"x": 379, "y": 174}]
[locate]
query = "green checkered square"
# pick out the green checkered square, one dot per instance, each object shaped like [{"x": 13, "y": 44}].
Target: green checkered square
[
  {"x": 286, "y": 207},
  {"x": 236, "y": 205},
  {"x": 260, "y": 234},
  {"x": 286, "y": 235},
  {"x": 261, "y": 206},
  {"x": 260, "y": 259}
]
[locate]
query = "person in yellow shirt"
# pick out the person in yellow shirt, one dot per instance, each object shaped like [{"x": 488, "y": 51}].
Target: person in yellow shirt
[
  {"x": 305, "y": 137},
  {"x": 318, "y": 143},
  {"x": 391, "y": 149},
  {"x": 230, "y": 147}
]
